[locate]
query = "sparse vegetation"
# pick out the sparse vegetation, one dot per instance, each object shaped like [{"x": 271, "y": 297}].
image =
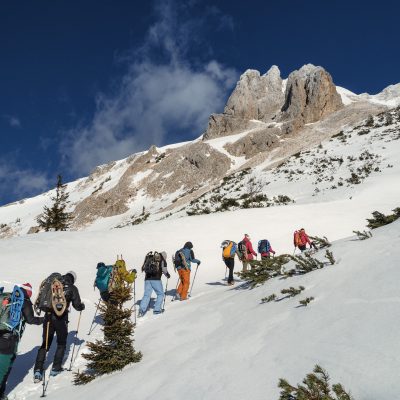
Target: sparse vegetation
[
  {"x": 363, "y": 235},
  {"x": 315, "y": 386},
  {"x": 380, "y": 219},
  {"x": 305, "y": 302}
]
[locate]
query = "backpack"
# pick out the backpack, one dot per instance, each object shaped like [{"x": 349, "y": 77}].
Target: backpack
[
  {"x": 296, "y": 239},
  {"x": 229, "y": 249},
  {"x": 152, "y": 263},
  {"x": 11, "y": 305},
  {"x": 264, "y": 246},
  {"x": 180, "y": 260},
  {"x": 103, "y": 276},
  {"x": 242, "y": 249},
  {"x": 51, "y": 295}
]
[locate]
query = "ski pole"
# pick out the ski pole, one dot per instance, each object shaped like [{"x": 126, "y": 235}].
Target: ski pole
[
  {"x": 73, "y": 348},
  {"x": 97, "y": 309},
  {"x": 134, "y": 299},
  {"x": 165, "y": 296},
  {"x": 176, "y": 289},
  {"x": 226, "y": 271},
  {"x": 294, "y": 250},
  {"x": 190, "y": 293},
  {"x": 44, "y": 386}
]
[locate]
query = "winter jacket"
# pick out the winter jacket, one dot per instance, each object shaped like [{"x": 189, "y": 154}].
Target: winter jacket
[
  {"x": 268, "y": 253},
  {"x": 9, "y": 340},
  {"x": 103, "y": 276},
  {"x": 71, "y": 294},
  {"x": 189, "y": 257},
  {"x": 157, "y": 275},
  {"x": 249, "y": 249},
  {"x": 303, "y": 239}
]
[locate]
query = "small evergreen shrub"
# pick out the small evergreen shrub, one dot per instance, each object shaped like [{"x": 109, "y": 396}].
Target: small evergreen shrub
[
  {"x": 305, "y": 302},
  {"x": 363, "y": 235},
  {"x": 315, "y": 386},
  {"x": 380, "y": 219}
]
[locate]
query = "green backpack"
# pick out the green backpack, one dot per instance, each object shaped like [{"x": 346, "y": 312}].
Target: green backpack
[{"x": 11, "y": 306}]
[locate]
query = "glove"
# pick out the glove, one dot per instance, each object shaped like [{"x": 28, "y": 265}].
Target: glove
[
  {"x": 168, "y": 275},
  {"x": 82, "y": 307},
  {"x": 134, "y": 270},
  {"x": 41, "y": 319},
  {"x": 198, "y": 263}
]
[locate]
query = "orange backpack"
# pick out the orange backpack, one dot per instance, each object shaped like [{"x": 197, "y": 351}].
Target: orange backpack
[{"x": 296, "y": 239}]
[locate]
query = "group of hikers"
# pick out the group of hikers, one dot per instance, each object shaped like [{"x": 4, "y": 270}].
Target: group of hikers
[
  {"x": 245, "y": 251},
  {"x": 57, "y": 292}
]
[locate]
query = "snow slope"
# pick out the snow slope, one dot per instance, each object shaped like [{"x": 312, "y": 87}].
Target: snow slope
[{"x": 223, "y": 343}]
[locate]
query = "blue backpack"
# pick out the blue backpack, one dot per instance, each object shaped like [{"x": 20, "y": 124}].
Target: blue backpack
[
  {"x": 264, "y": 246},
  {"x": 11, "y": 305},
  {"x": 103, "y": 276}
]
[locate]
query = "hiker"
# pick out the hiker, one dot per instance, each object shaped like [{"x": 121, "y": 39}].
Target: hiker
[
  {"x": 105, "y": 277},
  {"x": 57, "y": 324},
  {"x": 247, "y": 252},
  {"x": 229, "y": 249},
  {"x": 154, "y": 266},
  {"x": 183, "y": 259},
  {"x": 301, "y": 239},
  {"x": 11, "y": 330},
  {"x": 265, "y": 249}
]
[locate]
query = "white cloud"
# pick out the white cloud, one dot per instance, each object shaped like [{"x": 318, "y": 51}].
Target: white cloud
[
  {"x": 13, "y": 121},
  {"x": 20, "y": 182},
  {"x": 155, "y": 97}
]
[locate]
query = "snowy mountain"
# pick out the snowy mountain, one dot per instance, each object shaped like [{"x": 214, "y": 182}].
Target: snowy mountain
[
  {"x": 266, "y": 121},
  {"x": 284, "y": 154}
]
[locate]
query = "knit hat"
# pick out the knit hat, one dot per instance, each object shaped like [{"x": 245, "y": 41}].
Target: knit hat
[
  {"x": 28, "y": 289},
  {"x": 188, "y": 245},
  {"x": 73, "y": 274}
]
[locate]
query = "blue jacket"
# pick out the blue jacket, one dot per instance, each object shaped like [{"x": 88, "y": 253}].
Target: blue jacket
[
  {"x": 103, "y": 276},
  {"x": 189, "y": 256}
]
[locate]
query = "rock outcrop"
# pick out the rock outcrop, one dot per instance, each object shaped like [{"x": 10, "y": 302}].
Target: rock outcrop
[
  {"x": 254, "y": 98},
  {"x": 310, "y": 96}
]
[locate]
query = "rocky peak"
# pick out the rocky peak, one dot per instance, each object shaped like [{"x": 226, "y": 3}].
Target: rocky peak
[
  {"x": 310, "y": 95},
  {"x": 256, "y": 97}
]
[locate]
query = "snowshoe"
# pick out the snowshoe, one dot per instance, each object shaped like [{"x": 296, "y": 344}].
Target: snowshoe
[
  {"x": 37, "y": 377},
  {"x": 55, "y": 372},
  {"x": 58, "y": 298}
]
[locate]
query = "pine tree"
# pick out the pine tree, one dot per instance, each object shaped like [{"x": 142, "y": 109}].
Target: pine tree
[
  {"x": 116, "y": 350},
  {"x": 56, "y": 217},
  {"x": 315, "y": 386}
]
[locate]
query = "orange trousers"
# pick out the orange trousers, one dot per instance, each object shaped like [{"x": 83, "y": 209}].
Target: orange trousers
[{"x": 184, "y": 276}]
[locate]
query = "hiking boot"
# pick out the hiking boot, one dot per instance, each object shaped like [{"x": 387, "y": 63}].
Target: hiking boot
[
  {"x": 55, "y": 372},
  {"x": 140, "y": 314},
  {"x": 37, "y": 376},
  {"x": 231, "y": 283},
  {"x": 157, "y": 312}
]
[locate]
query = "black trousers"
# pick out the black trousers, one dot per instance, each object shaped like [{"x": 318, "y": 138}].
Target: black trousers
[
  {"x": 55, "y": 325},
  {"x": 230, "y": 263}
]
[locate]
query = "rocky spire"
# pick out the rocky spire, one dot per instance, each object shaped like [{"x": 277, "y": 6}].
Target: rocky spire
[{"x": 310, "y": 95}]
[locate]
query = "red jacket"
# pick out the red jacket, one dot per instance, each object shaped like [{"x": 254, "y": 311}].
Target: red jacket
[
  {"x": 268, "y": 253},
  {"x": 304, "y": 239},
  {"x": 249, "y": 248}
]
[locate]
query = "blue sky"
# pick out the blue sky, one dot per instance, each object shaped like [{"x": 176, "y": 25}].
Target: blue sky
[{"x": 84, "y": 83}]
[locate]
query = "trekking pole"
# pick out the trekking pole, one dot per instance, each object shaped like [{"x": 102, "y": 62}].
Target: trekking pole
[
  {"x": 294, "y": 250},
  {"x": 165, "y": 296},
  {"x": 134, "y": 299},
  {"x": 226, "y": 271},
  {"x": 73, "y": 348},
  {"x": 176, "y": 289},
  {"x": 44, "y": 386},
  {"x": 190, "y": 292},
  {"x": 97, "y": 309}
]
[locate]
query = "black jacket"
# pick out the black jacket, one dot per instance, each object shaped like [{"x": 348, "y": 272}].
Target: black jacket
[
  {"x": 9, "y": 340},
  {"x": 71, "y": 293},
  {"x": 157, "y": 276}
]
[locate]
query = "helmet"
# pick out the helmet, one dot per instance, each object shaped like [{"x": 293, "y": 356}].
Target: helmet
[
  {"x": 28, "y": 289},
  {"x": 73, "y": 274}
]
